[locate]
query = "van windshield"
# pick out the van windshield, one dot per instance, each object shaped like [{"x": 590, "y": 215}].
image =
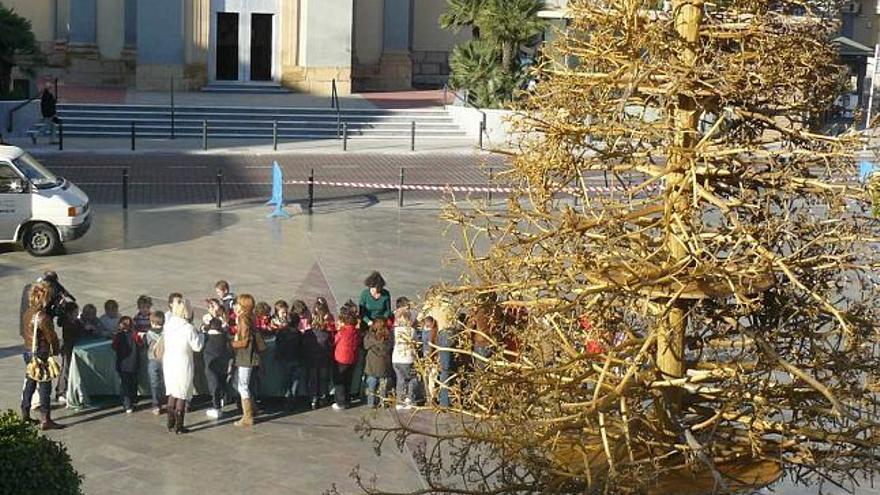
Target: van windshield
[{"x": 35, "y": 172}]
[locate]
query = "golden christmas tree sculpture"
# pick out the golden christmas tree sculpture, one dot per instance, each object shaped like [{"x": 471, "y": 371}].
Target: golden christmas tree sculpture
[{"x": 704, "y": 327}]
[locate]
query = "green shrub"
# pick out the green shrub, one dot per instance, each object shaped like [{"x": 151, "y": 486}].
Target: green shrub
[{"x": 31, "y": 463}]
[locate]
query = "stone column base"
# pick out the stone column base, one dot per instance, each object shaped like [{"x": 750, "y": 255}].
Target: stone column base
[
  {"x": 157, "y": 77},
  {"x": 317, "y": 80},
  {"x": 394, "y": 72}
]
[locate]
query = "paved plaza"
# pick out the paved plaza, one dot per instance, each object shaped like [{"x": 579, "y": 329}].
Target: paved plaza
[
  {"x": 159, "y": 250},
  {"x": 173, "y": 238}
]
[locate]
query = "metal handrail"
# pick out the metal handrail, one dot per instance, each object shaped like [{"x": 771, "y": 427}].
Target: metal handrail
[
  {"x": 334, "y": 103},
  {"x": 467, "y": 103},
  {"x": 334, "y": 96},
  {"x": 15, "y": 109},
  {"x": 18, "y": 107}
]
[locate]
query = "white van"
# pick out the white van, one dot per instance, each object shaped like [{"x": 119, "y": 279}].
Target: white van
[{"x": 37, "y": 208}]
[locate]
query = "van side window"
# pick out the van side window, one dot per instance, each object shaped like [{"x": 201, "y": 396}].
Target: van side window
[{"x": 8, "y": 177}]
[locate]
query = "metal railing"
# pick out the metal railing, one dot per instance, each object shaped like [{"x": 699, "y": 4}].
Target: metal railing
[
  {"x": 334, "y": 103},
  {"x": 467, "y": 103},
  {"x": 11, "y": 114}
]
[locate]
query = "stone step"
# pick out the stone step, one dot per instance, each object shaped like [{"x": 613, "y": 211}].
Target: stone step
[
  {"x": 245, "y": 88},
  {"x": 116, "y": 108},
  {"x": 255, "y": 121},
  {"x": 237, "y": 127},
  {"x": 114, "y": 120}
]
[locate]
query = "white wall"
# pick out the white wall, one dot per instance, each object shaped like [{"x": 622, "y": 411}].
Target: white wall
[
  {"x": 368, "y": 31},
  {"x": 111, "y": 28},
  {"x": 326, "y": 33},
  {"x": 498, "y": 133}
]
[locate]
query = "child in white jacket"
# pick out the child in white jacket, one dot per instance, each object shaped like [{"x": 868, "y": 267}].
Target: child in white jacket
[{"x": 403, "y": 356}]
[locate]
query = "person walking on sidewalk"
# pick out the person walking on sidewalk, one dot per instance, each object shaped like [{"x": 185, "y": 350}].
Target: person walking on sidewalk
[{"x": 49, "y": 112}]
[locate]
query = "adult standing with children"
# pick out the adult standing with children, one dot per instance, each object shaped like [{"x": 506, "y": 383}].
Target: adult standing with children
[
  {"x": 41, "y": 344},
  {"x": 180, "y": 340},
  {"x": 374, "y": 302},
  {"x": 247, "y": 357}
]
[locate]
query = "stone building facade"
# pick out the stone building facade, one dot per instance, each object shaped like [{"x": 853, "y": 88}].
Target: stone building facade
[{"x": 298, "y": 44}]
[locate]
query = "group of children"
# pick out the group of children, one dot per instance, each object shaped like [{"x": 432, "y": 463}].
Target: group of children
[{"x": 321, "y": 357}]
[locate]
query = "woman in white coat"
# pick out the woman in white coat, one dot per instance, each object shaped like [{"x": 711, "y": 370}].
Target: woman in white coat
[{"x": 180, "y": 340}]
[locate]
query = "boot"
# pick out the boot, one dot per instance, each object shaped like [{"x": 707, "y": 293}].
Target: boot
[
  {"x": 178, "y": 425},
  {"x": 172, "y": 416},
  {"x": 247, "y": 417},
  {"x": 47, "y": 423},
  {"x": 26, "y": 417}
]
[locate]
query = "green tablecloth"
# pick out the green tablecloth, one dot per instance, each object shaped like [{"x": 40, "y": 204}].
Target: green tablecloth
[{"x": 93, "y": 374}]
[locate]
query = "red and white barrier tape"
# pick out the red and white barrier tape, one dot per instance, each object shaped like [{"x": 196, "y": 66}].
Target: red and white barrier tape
[{"x": 431, "y": 187}]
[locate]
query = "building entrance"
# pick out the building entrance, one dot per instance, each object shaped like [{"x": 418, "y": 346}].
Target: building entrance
[
  {"x": 227, "y": 46},
  {"x": 261, "y": 47},
  {"x": 245, "y": 43}
]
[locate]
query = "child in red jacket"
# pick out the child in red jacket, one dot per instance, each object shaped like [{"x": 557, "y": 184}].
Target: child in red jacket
[{"x": 345, "y": 354}]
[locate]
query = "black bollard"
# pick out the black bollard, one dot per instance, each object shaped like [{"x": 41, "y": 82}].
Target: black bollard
[
  {"x": 311, "y": 189},
  {"x": 400, "y": 190},
  {"x": 125, "y": 189},
  {"x": 219, "y": 188},
  {"x": 345, "y": 136},
  {"x": 61, "y": 136},
  {"x": 489, "y": 192},
  {"x": 275, "y": 135},
  {"x": 132, "y": 135},
  {"x": 205, "y": 135},
  {"x": 412, "y": 137},
  {"x": 482, "y": 130}
]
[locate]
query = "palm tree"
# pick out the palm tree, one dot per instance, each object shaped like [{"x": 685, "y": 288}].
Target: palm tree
[
  {"x": 510, "y": 24},
  {"x": 487, "y": 66},
  {"x": 462, "y": 13}
]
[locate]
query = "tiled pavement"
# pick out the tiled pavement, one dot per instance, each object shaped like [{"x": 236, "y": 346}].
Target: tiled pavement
[
  {"x": 158, "y": 250},
  {"x": 192, "y": 178}
]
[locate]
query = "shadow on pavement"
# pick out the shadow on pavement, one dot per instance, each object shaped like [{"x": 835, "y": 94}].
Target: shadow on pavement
[{"x": 114, "y": 228}]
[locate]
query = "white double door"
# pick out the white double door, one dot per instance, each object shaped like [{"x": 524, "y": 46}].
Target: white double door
[{"x": 245, "y": 42}]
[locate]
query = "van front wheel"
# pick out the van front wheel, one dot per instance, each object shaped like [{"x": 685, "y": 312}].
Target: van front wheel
[{"x": 41, "y": 240}]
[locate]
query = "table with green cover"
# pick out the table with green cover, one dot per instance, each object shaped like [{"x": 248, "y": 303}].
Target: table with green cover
[{"x": 93, "y": 378}]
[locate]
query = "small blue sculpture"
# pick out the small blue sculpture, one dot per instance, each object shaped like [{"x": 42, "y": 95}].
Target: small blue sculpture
[{"x": 277, "y": 193}]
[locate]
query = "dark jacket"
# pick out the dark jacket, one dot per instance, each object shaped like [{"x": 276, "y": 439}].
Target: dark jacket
[
  {"x": 216, "y": 342},
  {"x": 72, "y": 331},
  {"x": 316, "y": 348},
  {"x": 378, "y": 355},
  {"x": 289, "y": 344},
  {"x": 126, "y": 346},
  {"x": 47, "y": 104},
  {"x": 47, "y": 340}
]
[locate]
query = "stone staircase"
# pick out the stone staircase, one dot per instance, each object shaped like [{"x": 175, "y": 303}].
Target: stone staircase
[{"x": 154, "y": 121}]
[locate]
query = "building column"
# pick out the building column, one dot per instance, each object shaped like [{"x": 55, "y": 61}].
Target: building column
[
  {"x": 395, "y": 65},
  {"x": 160, "y": 43},
  {"x": 325, "y": 36},
  {"x": 110, "y": 28},
  {"x": 198, "y": 30},
  {"x": 83, "y": 22}
]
